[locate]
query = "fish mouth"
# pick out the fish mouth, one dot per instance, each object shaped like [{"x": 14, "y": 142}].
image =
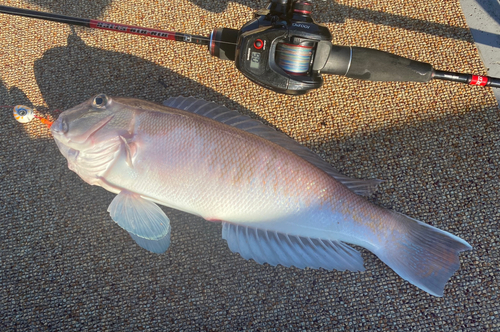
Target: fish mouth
[
  {"x": 60, "y": 130},
  {"x": 92, "y": 130}
]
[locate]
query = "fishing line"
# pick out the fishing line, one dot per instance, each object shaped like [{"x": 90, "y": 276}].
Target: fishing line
[{"x": 295, "y": 59}]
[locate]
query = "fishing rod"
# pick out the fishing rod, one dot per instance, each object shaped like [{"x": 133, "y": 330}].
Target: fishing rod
[
  {"x": 283, "y": 49},
  {"x": 96, "y": 24}
]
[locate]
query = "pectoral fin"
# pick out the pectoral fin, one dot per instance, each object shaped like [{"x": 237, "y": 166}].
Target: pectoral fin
[
  {"x": 130, "y": 149},
  {"x": 278, "y": 248},
  {"x": 148, "y": 225},
  {"x": 156, "y": 246}
]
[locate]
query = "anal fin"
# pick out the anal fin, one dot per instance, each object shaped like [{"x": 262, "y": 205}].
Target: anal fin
[{"x": 278, "y": 248}]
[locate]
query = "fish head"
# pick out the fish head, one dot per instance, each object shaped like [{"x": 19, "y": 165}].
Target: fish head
[{"x": 89, "y": 135}]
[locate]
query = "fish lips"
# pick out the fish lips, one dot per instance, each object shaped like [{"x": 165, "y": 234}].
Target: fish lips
[
  {"x": 66, "y": 145},
  {"x": 60, "y": 130}
]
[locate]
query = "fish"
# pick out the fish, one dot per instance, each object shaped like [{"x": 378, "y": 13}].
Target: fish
[{"x": 278, "y": 202}]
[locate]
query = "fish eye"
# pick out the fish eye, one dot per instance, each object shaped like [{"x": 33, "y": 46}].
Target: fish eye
[
  {"x": 100, "y": 101},
  {"x": 64, "y": 127}
]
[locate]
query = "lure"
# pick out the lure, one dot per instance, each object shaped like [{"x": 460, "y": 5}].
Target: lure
[{"x": 24, "y": 114}]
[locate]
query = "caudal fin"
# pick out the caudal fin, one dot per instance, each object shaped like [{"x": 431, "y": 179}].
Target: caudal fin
[{"x": 424, "y": 255}]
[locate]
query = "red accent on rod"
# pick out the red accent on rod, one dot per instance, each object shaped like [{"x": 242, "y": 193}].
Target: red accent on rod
[
  {"x": 212, "y": 46},
  {"x": 302, "y": 11},
  {"x": 479, "y": 80},
  {"x": 135, "y": 30}
]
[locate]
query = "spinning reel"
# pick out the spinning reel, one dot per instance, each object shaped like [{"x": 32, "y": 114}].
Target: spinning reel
[{"x": 283, "y": 49}]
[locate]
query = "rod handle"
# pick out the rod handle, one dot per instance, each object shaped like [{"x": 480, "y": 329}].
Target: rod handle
[{"x": 372, "y": 65}]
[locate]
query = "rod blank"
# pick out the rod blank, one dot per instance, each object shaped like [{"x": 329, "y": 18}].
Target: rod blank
[{"x": 96, "y": 24}]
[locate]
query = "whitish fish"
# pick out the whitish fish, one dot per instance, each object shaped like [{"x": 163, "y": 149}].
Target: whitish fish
[{"x": 278, "y": 202}]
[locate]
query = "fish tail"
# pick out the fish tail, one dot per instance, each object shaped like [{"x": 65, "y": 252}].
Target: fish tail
[{"x": 421, "y": 254}]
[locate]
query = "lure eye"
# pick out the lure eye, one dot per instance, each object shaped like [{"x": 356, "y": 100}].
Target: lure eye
[
  {"x": 100, "y": 101},
  {"x": 23, "y": 114}
]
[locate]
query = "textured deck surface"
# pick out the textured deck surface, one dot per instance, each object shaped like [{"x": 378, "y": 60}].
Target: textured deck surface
[{"x": 64, "y": 265}]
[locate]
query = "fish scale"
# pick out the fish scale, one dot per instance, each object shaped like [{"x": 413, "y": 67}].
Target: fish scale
[
  {"x": 278, "y": 202},
  {"x": 232, "y": 183}
]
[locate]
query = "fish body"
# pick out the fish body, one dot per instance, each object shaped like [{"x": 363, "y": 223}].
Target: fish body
[{"x": 277, "y": 201}]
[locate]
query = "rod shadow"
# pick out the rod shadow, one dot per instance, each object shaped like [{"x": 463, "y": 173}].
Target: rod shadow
[
  {"x": 13, "y": 96},
  {"x": 75, "y": 8}
]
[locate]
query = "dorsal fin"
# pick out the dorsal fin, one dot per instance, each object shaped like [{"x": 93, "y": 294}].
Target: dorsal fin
[{"x": 233, "y": 118}]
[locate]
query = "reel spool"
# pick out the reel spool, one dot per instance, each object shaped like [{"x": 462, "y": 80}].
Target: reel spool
[{"x": 295, "y": 59}]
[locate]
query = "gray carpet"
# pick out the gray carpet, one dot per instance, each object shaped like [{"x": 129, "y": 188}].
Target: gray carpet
[{"x": 65, "y": 266}]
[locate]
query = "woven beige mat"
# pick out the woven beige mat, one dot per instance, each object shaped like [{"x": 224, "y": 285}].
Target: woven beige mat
[{"x": 66, "y": 266}]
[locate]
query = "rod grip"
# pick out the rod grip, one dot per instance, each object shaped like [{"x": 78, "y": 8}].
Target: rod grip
[{"x": 374, "y": 65}]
